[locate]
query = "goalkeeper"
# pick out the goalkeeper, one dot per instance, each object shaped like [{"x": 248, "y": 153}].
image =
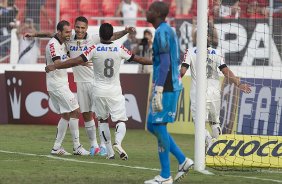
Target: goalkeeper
[
  {"x": 166, "y": 89},
  {"x": 215, "y": 64}
]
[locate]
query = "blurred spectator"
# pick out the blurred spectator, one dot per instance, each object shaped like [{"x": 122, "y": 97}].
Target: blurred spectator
[
  {"x": 33, "y": 10},
  {"x": 182, "y": 7},
  {"x": 8, "y": 21},
  {"x": 212, "y": 40},
  {"x": 129, "y": 9},
  {"x": 28, "y": 47},
  {"x": 8, "y": 17},
  {"x": 226, "y": 9},
  {"x": 131, "y": 42},
  {"x": 145, "y": 49},
  {"x": 253, "y": 8}
]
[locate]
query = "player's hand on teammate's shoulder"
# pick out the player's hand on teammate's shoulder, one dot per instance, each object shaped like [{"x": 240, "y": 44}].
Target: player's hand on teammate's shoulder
[
  {"x": 50, "y": 68},
  {"x": 130, "y": 29},
  {"x": 246, "y": 88},
  {"x": 87, "y": 64}
]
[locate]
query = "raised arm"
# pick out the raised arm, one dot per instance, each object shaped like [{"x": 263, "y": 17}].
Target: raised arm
[
  {"x": 39, "y": 35},
  {"x": 119, "y": 34},
  {"x": 231, "y": 77},
  {"x": 142, "y": 60}
]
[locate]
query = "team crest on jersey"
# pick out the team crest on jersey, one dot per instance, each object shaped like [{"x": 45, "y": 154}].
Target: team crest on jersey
[{"x": 64, "y": 56}]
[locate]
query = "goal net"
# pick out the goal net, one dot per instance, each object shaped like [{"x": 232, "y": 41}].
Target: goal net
[{"x": 249, "y": 38}]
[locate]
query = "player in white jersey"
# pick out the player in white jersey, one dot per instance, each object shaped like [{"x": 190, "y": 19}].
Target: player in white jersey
[
  {"x": 214, "y": 64},
  {"x": 62, "y": 98},
  {"x": 109, "y": 101},
  {"x": 83, "y": 76}
]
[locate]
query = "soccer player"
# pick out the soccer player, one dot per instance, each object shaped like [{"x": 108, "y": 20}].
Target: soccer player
[
  {"x": 108, "y": 99},
  {"x": 83, "y": 76},
  {"x": 62, "y": 98},
  {"x": 215, "y": 64},
  {"x": 166, "y": 89}
]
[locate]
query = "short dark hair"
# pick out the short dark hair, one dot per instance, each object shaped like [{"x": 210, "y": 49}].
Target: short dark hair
[
  {"x": 61, "y": 24},
  {"x": 11, "y": 2},
  {"x": 147, "y": 31},
  {"x": 161, "y": 7},
  {"x": 81, "y": 19},
  {"x": 106, "y": 31}
]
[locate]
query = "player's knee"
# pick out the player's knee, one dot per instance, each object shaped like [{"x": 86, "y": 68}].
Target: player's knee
[
  {"x": 87, "y": 116},
  {"x": 66, "y": 116},
  {"x": 75, "y": 114}
]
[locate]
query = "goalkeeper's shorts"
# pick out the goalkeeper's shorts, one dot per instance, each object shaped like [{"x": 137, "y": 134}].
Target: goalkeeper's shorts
[{"x": 167, "y": 115}]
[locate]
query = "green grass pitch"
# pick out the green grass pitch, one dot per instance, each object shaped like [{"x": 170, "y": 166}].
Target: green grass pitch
[{"x": 25, "y": 159}]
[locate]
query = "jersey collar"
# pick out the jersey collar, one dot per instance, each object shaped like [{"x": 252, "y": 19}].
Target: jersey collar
[
  {"x": 107, "y": 43},
  {"x": 57, "y": 38}
]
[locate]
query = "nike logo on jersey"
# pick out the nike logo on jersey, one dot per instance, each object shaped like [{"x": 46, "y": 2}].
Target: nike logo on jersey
[{"x": 106, "y": 48}]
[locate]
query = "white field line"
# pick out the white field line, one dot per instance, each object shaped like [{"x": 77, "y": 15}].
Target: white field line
[
  {"x": 80, "y": 161},
  {"x": 254, "y": 178},
  {"x": 125, "y": 166},
  {"x": 270, "y": 171}
]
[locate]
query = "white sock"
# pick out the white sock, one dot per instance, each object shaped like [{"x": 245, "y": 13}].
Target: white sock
[
  {"x": 102, "y": 142},
  {"x": 120, "y": 132},
  {"x": 216, "y": 130},
  {"x": 91, "y": 133},
  {"x": 61, "y": 132},
  {"x": 74, "y": 132},
  {"x": 106, "y": 136}
]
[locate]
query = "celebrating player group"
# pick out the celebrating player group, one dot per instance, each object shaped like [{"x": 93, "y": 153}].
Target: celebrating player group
[{"x": 96, "y": 62}]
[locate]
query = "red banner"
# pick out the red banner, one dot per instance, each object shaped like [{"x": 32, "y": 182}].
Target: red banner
[
  {"x": 3, "y": 100},
  {"x": 28, "y": 101}
]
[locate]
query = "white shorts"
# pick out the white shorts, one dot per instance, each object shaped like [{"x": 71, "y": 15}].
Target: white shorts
[
  {"x": 63, "y": 100},
  {"x": 85, "y": 96},
  {"x": 114, "y": 106},
  {"x": 212, "y": 105}
]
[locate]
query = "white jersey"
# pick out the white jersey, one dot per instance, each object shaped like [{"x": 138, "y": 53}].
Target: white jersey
[
  {"x": 56, "y": 50},
  {"x": 129, "y": 11},
  {"x": 76, "y": 47},
  {"x": 214, "y": 62},
  {"x": 107, "y": 59}
]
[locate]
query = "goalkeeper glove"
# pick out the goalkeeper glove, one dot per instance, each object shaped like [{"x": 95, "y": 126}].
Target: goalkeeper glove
[{"x": 157, "y": 101}]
